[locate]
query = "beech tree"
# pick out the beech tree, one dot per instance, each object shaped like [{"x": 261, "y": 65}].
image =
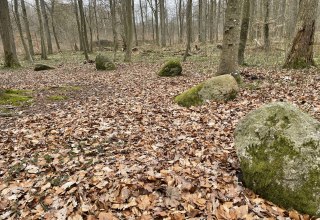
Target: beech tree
[
  {"x": 300, "y": 54},
  {"x": 9, "y": 47},
  {"x": 245, "y": 20},
  {"x": 229, "y": 55}
]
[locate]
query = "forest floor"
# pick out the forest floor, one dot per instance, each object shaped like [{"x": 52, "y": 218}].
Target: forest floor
[{"x": 114, "y": 145}]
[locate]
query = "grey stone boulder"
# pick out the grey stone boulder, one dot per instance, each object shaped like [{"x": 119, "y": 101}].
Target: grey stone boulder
[
  {"x": 278, "y": 146},
  {"x": 104, "y": 63},
  {"x": 219, "y": 88}
]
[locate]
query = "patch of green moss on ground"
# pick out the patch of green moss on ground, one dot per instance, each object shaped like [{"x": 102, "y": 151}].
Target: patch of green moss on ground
[
  {"x": 171, "y": 68},
  {"x": 14, "y": 97},
  {"x": 260, "y": 175},
  {"x": 57, "y": 98},
  {"x": 190, "y": 97}
]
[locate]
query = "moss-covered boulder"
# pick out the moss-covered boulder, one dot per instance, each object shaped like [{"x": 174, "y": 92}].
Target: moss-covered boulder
[
  {"x": 279, "y": 151},
  {"x": 219, "y": 88},
  {"x": 104, "y": 63},
  {"x": 42, "y": 67},
  {"x": 171, "y": 68}
]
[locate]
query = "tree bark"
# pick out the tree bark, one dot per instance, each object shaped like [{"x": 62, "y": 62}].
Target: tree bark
[
  {"x": 96, "y": 21},
  {"x": 245, "y": 20},
  {"x": 142, "y": 20},
  {"x": 18, "y": 21},
  {"x": 134, "y": 24},
  {"x": 46, "y": 26},
  {"x": 231, "y": 35},
  {"x": 114, "y": 27},
  {"x": 43, "y": 44},
  {"x": 54, "y": 26},
  {"x": 181, "y": 21},
  {"x": 27, "y": 27},
  {"x": 78, "y": 24},
  {"x": 83, "y": 27},
  {"x": 200, "y": 22},
  {"x": 300, "y": 54},
  {"x": 128, "y": 22},
  {"x": 189, "y": 29},
  {"x": 162, "y": 23},
  {"x": 266, "y": 4},
  {"x": 9, "y": 47}
]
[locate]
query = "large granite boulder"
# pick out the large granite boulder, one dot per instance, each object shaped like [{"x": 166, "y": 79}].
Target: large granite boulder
[
  {"x": 104, "y": 63},
  {"x": 219, "y": 88},
  {"x": 279, "y": 151},
  {"x": 171, "y": 68}
]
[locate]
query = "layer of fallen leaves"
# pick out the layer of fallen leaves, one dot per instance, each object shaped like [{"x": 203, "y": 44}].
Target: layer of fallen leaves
[{"x": 121, "y": 149}]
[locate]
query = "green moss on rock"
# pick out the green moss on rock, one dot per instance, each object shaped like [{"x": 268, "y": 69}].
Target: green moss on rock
[
  {"x": 190, "y": 97},
  {"x": 171, "y": 68},
  {"x": 278, "y": 147},
  {"x": 104, "y": 63}
]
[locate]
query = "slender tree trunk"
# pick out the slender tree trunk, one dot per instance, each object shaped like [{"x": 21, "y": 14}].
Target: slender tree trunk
[
  {"x": 252, "y": 25},
  {"x": 128, "y": 20},
  {"x": 266, "y": 25},
  {"x": 231, "y": 35},
  {"x": 162, "y": 23},
  {"x": 9, "y": 47},
  {"x": 300, "y": 54},
  {"x": 218, "y": 20},
  {"x": 90, "y": 24},
  {"x": 114, "y": 28},
  {"x": 46, "y": 26},
  {"x": 43, "y": 44},
  {"x": 78, "y": 25},
  {"x": 134, "y": 24},
  {"x": 156, "y": 20},
  {"x": 83, "y": 30},
  {"x": 27, "y": 27},
  {"x": 244, "y": 30},
  {"x": 181, "y": 19},
  {"x": 97, "y": 24},
  {"x": 55, "y": 35},
  {"x": 189, "y": 29},
  {"x": 142, "y": 20},
  {"x": 17, "y": 17}
]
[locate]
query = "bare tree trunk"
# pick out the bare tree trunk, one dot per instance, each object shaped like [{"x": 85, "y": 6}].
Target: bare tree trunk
[
  {"x": 78, "y": 25},
  {"x": 200, "y": 24},
  {"x": 46, "y": 26},
  {"x": 128, "y": 22},
  {"x": 162, "y": 23},
  {"x": 134, "y": 24},
  {"x": 300, "y": 54},
  {"x": 218, "y": 20},
  {"x": 266, "y": 4},
  {"x": 142, "y": 20},
  {"x": 54, "y": 26},
  {"x": 244, "y": 31},
  {"x": 17, "y": 17},
  {"x": 9, "y": 47},
  {"x": 291, "y": 18},
  {"x": 231, "y": 35},
  {"x": 96, "y": 20},
  {"x": 83, "y": 30},
  {"x": 253, "y": 20},
  {"x": 181, "y": 19},
  {"x": 114, "y": 28},
  {"x": 43, "y": 44},
  {"x": 90, "y": 24},
  {"x": 27, "y": 27},
  {"x": 189, "y": 29},
  {"x": 156, "y": 20}
]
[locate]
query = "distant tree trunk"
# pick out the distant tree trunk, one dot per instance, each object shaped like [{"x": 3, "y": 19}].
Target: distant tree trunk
[
  {"x": 291, "y": 18},
  {"x": 142, "y": 20},
  {"x": 162, "y": 23},
  {"x": 218, "y": 20},
  {"x": 266, "y": 25},
  {"x": 134, "y": 24},
  {"x": 43, "y": 44},
  {"x": 212, "y": 20},
  {"x": 231, "y": 35},
  {"x": 54, "y": 26},
  {"x": 300, "y": 54},
  {"x": 90, "y": 24},
  {"x": 189, "y": 29},
  {"x": 78, "y": 25},
  {"x": 17, "y": 17},
  {"x": 9, "y": 47},
  {"x": 245, "y": 20},
  {"x": 128, "y": 24},
  {"x": 252, "y": 31},
  {"x": 156, "y": 20},
  {"x": 200, "y": 22},
  {"x": 114, "y": 28},
  {"x": 282, "y": 18},
  {"x": 46, "y": 26},
  {"x": 181, "y": 19},
  {"x": 84, "y": 35},
  {"x": 96, "y": 21},
  {"x": 27, "y": 27}
]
